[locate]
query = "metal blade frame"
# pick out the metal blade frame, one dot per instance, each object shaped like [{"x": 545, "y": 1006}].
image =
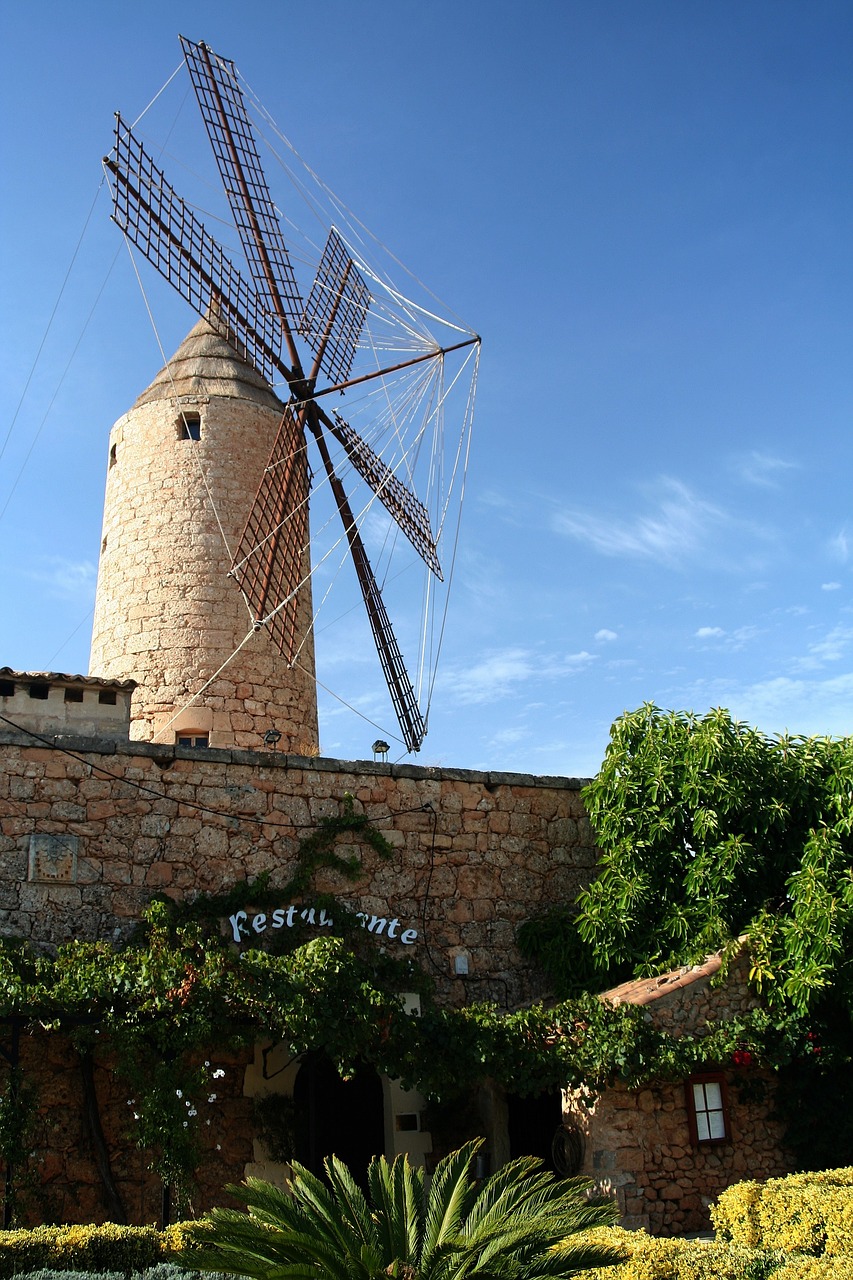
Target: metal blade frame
[
  {"x": 232, "y": 138},
  {"x": 408, "y": 512},
  {"x": 335, "y": 311},
  {"x": 157, "y": 221}
]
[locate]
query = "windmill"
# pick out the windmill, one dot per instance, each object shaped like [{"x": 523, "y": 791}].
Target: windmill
[{"x": 311, "y": 343}]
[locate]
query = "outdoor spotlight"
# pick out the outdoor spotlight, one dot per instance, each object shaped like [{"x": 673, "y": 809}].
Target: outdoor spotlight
[
  {"x": 271, "y": 737},
  {"x": 380, "y": 750}
]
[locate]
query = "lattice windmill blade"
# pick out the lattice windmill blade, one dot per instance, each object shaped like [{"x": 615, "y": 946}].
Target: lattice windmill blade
[
  {"x": 232, "y": 138},
  {"x": 335, "y": 312},
  {"x": 268, "y": 564},
  {"x": 156, "y": 219},
  {"x": 403, "y": 697},
  {"x": 406, "y": 510}
]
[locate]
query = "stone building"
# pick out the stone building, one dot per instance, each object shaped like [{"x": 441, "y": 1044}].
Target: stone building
[
  {"x": 154, "y": 775},
  {"x": 667, "y": 1150}
]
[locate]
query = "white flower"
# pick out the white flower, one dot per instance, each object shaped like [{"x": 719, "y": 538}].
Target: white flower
[
  {"x": 218, "y": 1147},
  {"x": 179, "y": 1093},
  {"x": 212, "y": 1097},
  {"x": 185, "y": 1124},
  {"x": 192, "y": 1112},
  {"x": 218, "y": 1073},
  {"x": 206, "y": 1063}
]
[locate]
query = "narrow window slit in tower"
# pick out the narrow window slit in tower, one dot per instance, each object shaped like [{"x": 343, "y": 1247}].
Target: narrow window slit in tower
[
  {"x": 189, "y": 426},
  {"x": 112, "y": 456}
]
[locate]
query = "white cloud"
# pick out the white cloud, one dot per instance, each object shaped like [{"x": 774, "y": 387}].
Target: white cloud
[
  {"x": 502, "y": 671},
  {"x": 832, "y": 648},
  {"x": 678, "y": 528},
  {"x": 839, "y": 546},
  {"x": 830, "y": 586},
  {"x": 67, "y": 579},
  {"x": 781, "y": 704},
  {"x": 708, "y": 633},
  {"x": 605, "y": 634},
  {"x": 762, "y": 469}
]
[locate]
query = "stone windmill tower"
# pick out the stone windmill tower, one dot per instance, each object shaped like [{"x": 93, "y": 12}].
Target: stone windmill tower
[
  {"x": 203, "y": 592},
  {"x": 185, "y": 464}
]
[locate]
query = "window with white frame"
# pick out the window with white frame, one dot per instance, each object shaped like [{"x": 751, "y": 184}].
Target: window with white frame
[{"x": 707, "y": 1109}]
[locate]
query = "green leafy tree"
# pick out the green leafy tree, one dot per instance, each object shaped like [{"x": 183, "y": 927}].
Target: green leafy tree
[
  {"x": 519, "y": 1224},
  {"x": 711, "y": 830}
]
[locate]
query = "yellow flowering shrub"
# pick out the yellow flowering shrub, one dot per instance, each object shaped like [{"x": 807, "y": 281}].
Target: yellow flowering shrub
[
  {"x": 653, "y": 1258},
  {"x": 824, "y": 1268},
  {"x": 802, "y": 1213},
  {"x": 108, "y": 1247}
]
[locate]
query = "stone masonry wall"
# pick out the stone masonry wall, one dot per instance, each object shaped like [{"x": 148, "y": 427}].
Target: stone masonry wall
[
  {"x": 61, "y": 1182},
  {"x": 132, "y": 819},
  {"x": 638, "y": 1144}
]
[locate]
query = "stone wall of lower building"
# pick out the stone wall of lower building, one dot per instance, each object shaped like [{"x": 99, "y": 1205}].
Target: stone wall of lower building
[
  {"x": 638, "y": 1148},
  {"x": 639, "y": 1144},
  {"x": 90, "y": 831},
  {"x": 62, "y": 1179}
]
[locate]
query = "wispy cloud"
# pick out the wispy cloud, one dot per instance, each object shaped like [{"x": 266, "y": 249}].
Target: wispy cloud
[
  {"x": 676, "y": 529},
  {"x": 66, "y": 579},
  {"x": 830, "y": 586},
  {"x": 503, "y": 671},
  {"x": 761, "y": 469},
  {"x": 605, "y": 634},
  {"x": 839, "y": 546},
  {"x": 832, "y": 648},
  {"x": 709, "y": 633}
]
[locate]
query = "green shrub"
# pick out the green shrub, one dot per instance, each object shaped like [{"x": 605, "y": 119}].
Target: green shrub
[
  {"x": 808, "y": 1213},
  {"x": 163, "y": 1271}
]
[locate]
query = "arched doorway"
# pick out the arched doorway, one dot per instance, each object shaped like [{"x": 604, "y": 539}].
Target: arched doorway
[
  {"x": 532, "y": 1123},
  {"x": 337, "y": 1117}
]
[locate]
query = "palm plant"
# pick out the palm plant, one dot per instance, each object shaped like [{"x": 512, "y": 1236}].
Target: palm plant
[{"x": 519, "y": 1224}]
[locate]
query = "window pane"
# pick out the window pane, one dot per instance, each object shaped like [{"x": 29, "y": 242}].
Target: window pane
[
  {"x": 713, "y": 1096},
  {"x": 702, "y": 1131},
  {"x": 716, "y": 1124}
]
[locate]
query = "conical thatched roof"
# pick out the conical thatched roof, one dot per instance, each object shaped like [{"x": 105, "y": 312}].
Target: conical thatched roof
[{"x": 205, "y": 364}]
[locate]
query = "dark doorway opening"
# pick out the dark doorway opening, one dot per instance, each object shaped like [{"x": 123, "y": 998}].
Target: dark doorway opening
[
  {"x": 532, "y": 1123},
  {"x": 338, "y": 1117}
]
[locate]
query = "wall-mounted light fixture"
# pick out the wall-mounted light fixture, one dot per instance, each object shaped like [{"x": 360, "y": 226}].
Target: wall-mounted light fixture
[
  {"x": 380, "y": 750},
  {"x": 271, "y": 738}
]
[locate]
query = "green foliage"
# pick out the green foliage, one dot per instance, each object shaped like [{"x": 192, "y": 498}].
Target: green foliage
[
  {"x": 711, "y": 830},
  {"x": 275, "y": 1121},
  {"x": 314, "y": 852},
  {"x": 506, "y": 1226},
  {"x": 803, "y": 1213},
  {"x": 823, "y": 1268},
  {"x": 18, "y": 1103}
]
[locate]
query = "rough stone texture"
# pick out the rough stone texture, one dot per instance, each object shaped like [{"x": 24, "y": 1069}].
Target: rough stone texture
[
  {"x": 638, "y": 1144},
  {"x": 474, "y": 855},
  {"x": 61, "y": 1182},
  {"x": 166, "y": 613},
  {"x": 153, "y": 818}
]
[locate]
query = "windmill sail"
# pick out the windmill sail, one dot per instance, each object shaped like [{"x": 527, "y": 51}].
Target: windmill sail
[
  {"x": 156, "y": 219},
  {"x": 335, "y": 311},
  {"x": 264, "y": 321},
  {"x": 232, "y": 139}
]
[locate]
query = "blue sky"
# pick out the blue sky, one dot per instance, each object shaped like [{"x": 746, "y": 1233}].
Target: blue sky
[{"x": 644, "y": 209}]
